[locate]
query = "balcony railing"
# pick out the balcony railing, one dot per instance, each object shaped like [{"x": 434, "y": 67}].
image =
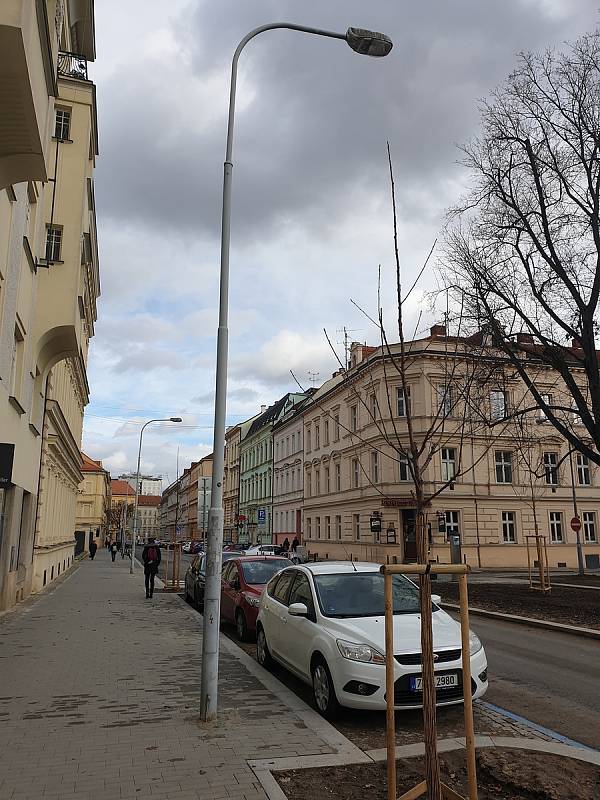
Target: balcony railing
[{"x": 72, "y": 65}]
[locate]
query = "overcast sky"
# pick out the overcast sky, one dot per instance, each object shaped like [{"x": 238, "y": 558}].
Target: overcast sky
[{"x": 311, "y": 209}]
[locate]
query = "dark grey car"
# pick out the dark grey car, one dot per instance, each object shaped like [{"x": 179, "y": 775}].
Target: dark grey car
[{"x": 194, "y": 577}]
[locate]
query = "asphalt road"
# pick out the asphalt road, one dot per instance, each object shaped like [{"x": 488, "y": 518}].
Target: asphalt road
[{"x": 550, "y": 678}]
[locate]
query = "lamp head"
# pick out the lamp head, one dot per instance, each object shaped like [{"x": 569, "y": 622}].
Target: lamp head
[
  {"x": 175, "y": 419},
  {"x": 369, "y": 43}
]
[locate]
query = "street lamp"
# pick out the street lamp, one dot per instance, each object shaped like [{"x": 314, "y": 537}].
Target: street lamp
[
  {"x": 137, "y": 485},
  {"x": 361, "y": 41}
]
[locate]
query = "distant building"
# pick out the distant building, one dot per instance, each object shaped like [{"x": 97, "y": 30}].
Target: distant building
[
  {"x": 122, "y": 495},
  {"x": 148, "y": 505},
  {"x": 149, "y": 484},
  {"x": 93, "y": 503}
]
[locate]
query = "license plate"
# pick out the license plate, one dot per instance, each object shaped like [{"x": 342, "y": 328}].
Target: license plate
[{"x": 441, "y": 682}]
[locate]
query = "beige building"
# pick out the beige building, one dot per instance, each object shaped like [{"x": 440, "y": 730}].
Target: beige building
[
  {"x": 231, "y": 482},
  {"x": 49, "y": 281},
  {"x": 494, "y": 486},
  {"x": 147, "y": 526},
  {"x": 93, "y": 504}
]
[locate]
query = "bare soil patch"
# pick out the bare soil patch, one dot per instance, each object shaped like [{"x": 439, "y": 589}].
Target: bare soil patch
[
  {"x": 570, "y": 606},
  {"x": 503, "y": 774}
]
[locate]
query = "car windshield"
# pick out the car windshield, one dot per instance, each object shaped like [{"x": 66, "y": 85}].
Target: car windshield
[
  {"x": 360, "y": 594},
  {"x": 262, "y": 571}
]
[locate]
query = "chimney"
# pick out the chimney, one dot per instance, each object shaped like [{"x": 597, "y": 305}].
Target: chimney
[
  {"x": 263, "y": 409},
  {"x": 524, "y": 338},
  {"x": 437, "y": 330}
]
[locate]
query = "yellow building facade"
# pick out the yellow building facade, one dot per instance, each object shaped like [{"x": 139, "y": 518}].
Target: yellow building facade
[
  {"x": 49, "y": 281},
  {"x": 93, "y": 504}
]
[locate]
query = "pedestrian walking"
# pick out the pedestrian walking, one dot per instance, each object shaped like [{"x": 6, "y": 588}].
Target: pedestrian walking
[
  {"x": 286, "y": 545},
  {"x": 93, "y": 548},
  {"x": 151, "y": 560},
  {"x": 113, "y": 550},
  {"x": 295, "y": 544}
]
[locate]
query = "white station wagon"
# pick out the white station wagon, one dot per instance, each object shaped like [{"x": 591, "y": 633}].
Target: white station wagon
[{"x": 325, "y": 623}]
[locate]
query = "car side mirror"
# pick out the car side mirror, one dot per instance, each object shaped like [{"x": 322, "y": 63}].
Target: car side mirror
[
  {"x": 437, "y": 599},
  {"x": 298, "y": 610}
]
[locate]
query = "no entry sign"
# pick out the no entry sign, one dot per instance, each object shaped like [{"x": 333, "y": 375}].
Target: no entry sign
[{"x": 575, "y": 524}]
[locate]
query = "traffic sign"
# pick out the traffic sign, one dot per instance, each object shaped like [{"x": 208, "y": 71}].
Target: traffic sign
[{"x": 575, "y": 524}]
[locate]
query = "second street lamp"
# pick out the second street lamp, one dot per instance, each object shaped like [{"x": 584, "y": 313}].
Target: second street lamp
[
  {"x": 137, "y": 486},
  {"x": 364, "y": 42}
]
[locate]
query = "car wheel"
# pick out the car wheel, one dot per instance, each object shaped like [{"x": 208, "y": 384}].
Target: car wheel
[
  {"x": 263, "y": 654},
  {"x": 241, "y": 626},
  {"x": 324, "y": 691}
]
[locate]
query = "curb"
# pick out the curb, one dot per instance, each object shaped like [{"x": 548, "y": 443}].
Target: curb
[{"x": 557, "y": 627}]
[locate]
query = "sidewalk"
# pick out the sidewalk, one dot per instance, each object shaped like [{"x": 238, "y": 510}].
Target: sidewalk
[{"x": 100, "y": 697}]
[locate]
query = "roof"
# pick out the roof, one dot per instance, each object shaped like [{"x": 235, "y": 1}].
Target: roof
[
  {"x": 121, "y": 487},
  {"x": 149, "y": 500},
  {"x": 89, "y": 465},
  {"x": 272, "y": 414}
]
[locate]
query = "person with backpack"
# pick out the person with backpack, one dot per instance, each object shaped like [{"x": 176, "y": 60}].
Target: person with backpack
[
  {"x": 113, "y": 550},
  {"x": 151, "y": 560}
]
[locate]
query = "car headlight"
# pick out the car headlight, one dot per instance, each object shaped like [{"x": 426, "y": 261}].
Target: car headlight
[
  {"x": 252, "y": 600},
  {"x": 474, "y": 643},
  {"x": 360, "y": 652}
]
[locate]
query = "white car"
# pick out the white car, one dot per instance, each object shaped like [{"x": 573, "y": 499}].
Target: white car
[
  {"x": 325, "y": 623},
  {"x": 264, "y": 550}
]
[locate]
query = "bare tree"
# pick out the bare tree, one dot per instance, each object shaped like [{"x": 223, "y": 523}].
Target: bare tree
[{"x": 522, "y": 253}]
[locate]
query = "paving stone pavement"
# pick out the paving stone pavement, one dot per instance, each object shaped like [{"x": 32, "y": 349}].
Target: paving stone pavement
[{"x": 99, "y": 699}]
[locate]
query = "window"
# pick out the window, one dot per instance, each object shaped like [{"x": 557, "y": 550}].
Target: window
[
  {"x": 338, "y": 478},
  {"x": 317, "y": 481},
  {"x": 326, "y": 432},
  {"x": 327, "y": 488},
  {"x": 448, "y": 463},
  {"x": 551, "y": 468},
  {"x": 16, "y": 367},
  {"x": 373, "y": 406},
  {"x": 355, "y": 473},
  {"x": 498, "y": 404},
  {"x": 452, "y": 523},
  {"x": 404, "y": 471},
  {"x": 356, "y": 518},
  {"x": 301, "y": 593},
  {"x": 336, "y": 428},
  {"x": 445, "y": 396},
  {"x": 317, "y": 437},
  {"x": 308, "y": 483},
  {"x": 589, "y": 526},
  {"x": 308, "y": 440},
  {"x": 293, "y": 442},
  {"x": 338, "y": 527},
  {"x": 403, "y": 401},
  {"x": 354, "y": 418},
  {"x": 318, "y": 526},
  {"x": 328, "y": 527},
  {"x": 556, "y": 526},
  {"x": 53, "y": 242},
  {"x": 280, "y": 592},
  {"x": 504, "y": 466},
  {"x": 62, "y": 124},
  {"x": 583, "y": 470},
  {"x": 509, "y": 527},
  {"x": 375, "y": 466},
  {"x": 547, "y": 399}
]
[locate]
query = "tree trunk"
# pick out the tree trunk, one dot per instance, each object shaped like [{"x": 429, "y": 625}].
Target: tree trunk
[{"x": 432, "y": 764}]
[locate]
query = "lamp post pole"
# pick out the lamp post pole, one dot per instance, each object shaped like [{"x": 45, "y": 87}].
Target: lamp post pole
[
  {"x": 366, "y": 43},
  {"x": 137, "y": 488}
]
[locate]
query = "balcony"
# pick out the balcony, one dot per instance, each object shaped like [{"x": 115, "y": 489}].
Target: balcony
[{"x": 72, "y": 65}]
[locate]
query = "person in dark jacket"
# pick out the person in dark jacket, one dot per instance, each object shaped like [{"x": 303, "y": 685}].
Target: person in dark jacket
[
  {"x": 113, "y": 550},
  {"x": 295, "y": 544},
  {"x": 286, "y": 545},
  {"x": 93, "y": 548},
  {"x": 151, "y": 560}
]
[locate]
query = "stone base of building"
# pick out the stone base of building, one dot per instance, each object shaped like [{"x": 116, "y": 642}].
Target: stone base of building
[
  {"x": 487, "y": 556},
  {"x": 50, "y": 562}
]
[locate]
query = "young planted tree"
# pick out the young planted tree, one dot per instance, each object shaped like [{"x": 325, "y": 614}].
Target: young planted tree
[{"x": 523, "y": 249}]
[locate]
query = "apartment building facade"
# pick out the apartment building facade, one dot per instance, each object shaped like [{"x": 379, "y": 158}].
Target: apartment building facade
[
  {"x": 49, "y": 282},
  {"x": 231, "y": 482},
  {"x": 147, "y": 526},
  {"x": 489, "y": 488},
  {"x": 93, "y": 504}
]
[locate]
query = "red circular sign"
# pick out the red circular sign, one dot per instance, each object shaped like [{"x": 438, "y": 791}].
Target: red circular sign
[{"x": 575, "y": 524}]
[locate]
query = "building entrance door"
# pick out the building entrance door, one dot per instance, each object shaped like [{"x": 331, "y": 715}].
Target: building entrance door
[{"x": 409, "y": 531}]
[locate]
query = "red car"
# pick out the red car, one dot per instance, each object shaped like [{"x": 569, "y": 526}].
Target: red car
[{"x": 242, "y": 582}]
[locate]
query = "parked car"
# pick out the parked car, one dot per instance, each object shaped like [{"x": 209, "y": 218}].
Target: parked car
[
  {"x": 242, "y": 582},
  {"x": 325, "y": 623},
  {"x": 264, "y": 550},
  {"x": 195, "y": 577}
]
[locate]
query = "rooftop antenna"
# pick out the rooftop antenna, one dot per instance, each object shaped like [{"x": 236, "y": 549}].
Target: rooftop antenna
[
  {"x": 346, "y": 342},
  {"x": 313, "y": 377}
]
